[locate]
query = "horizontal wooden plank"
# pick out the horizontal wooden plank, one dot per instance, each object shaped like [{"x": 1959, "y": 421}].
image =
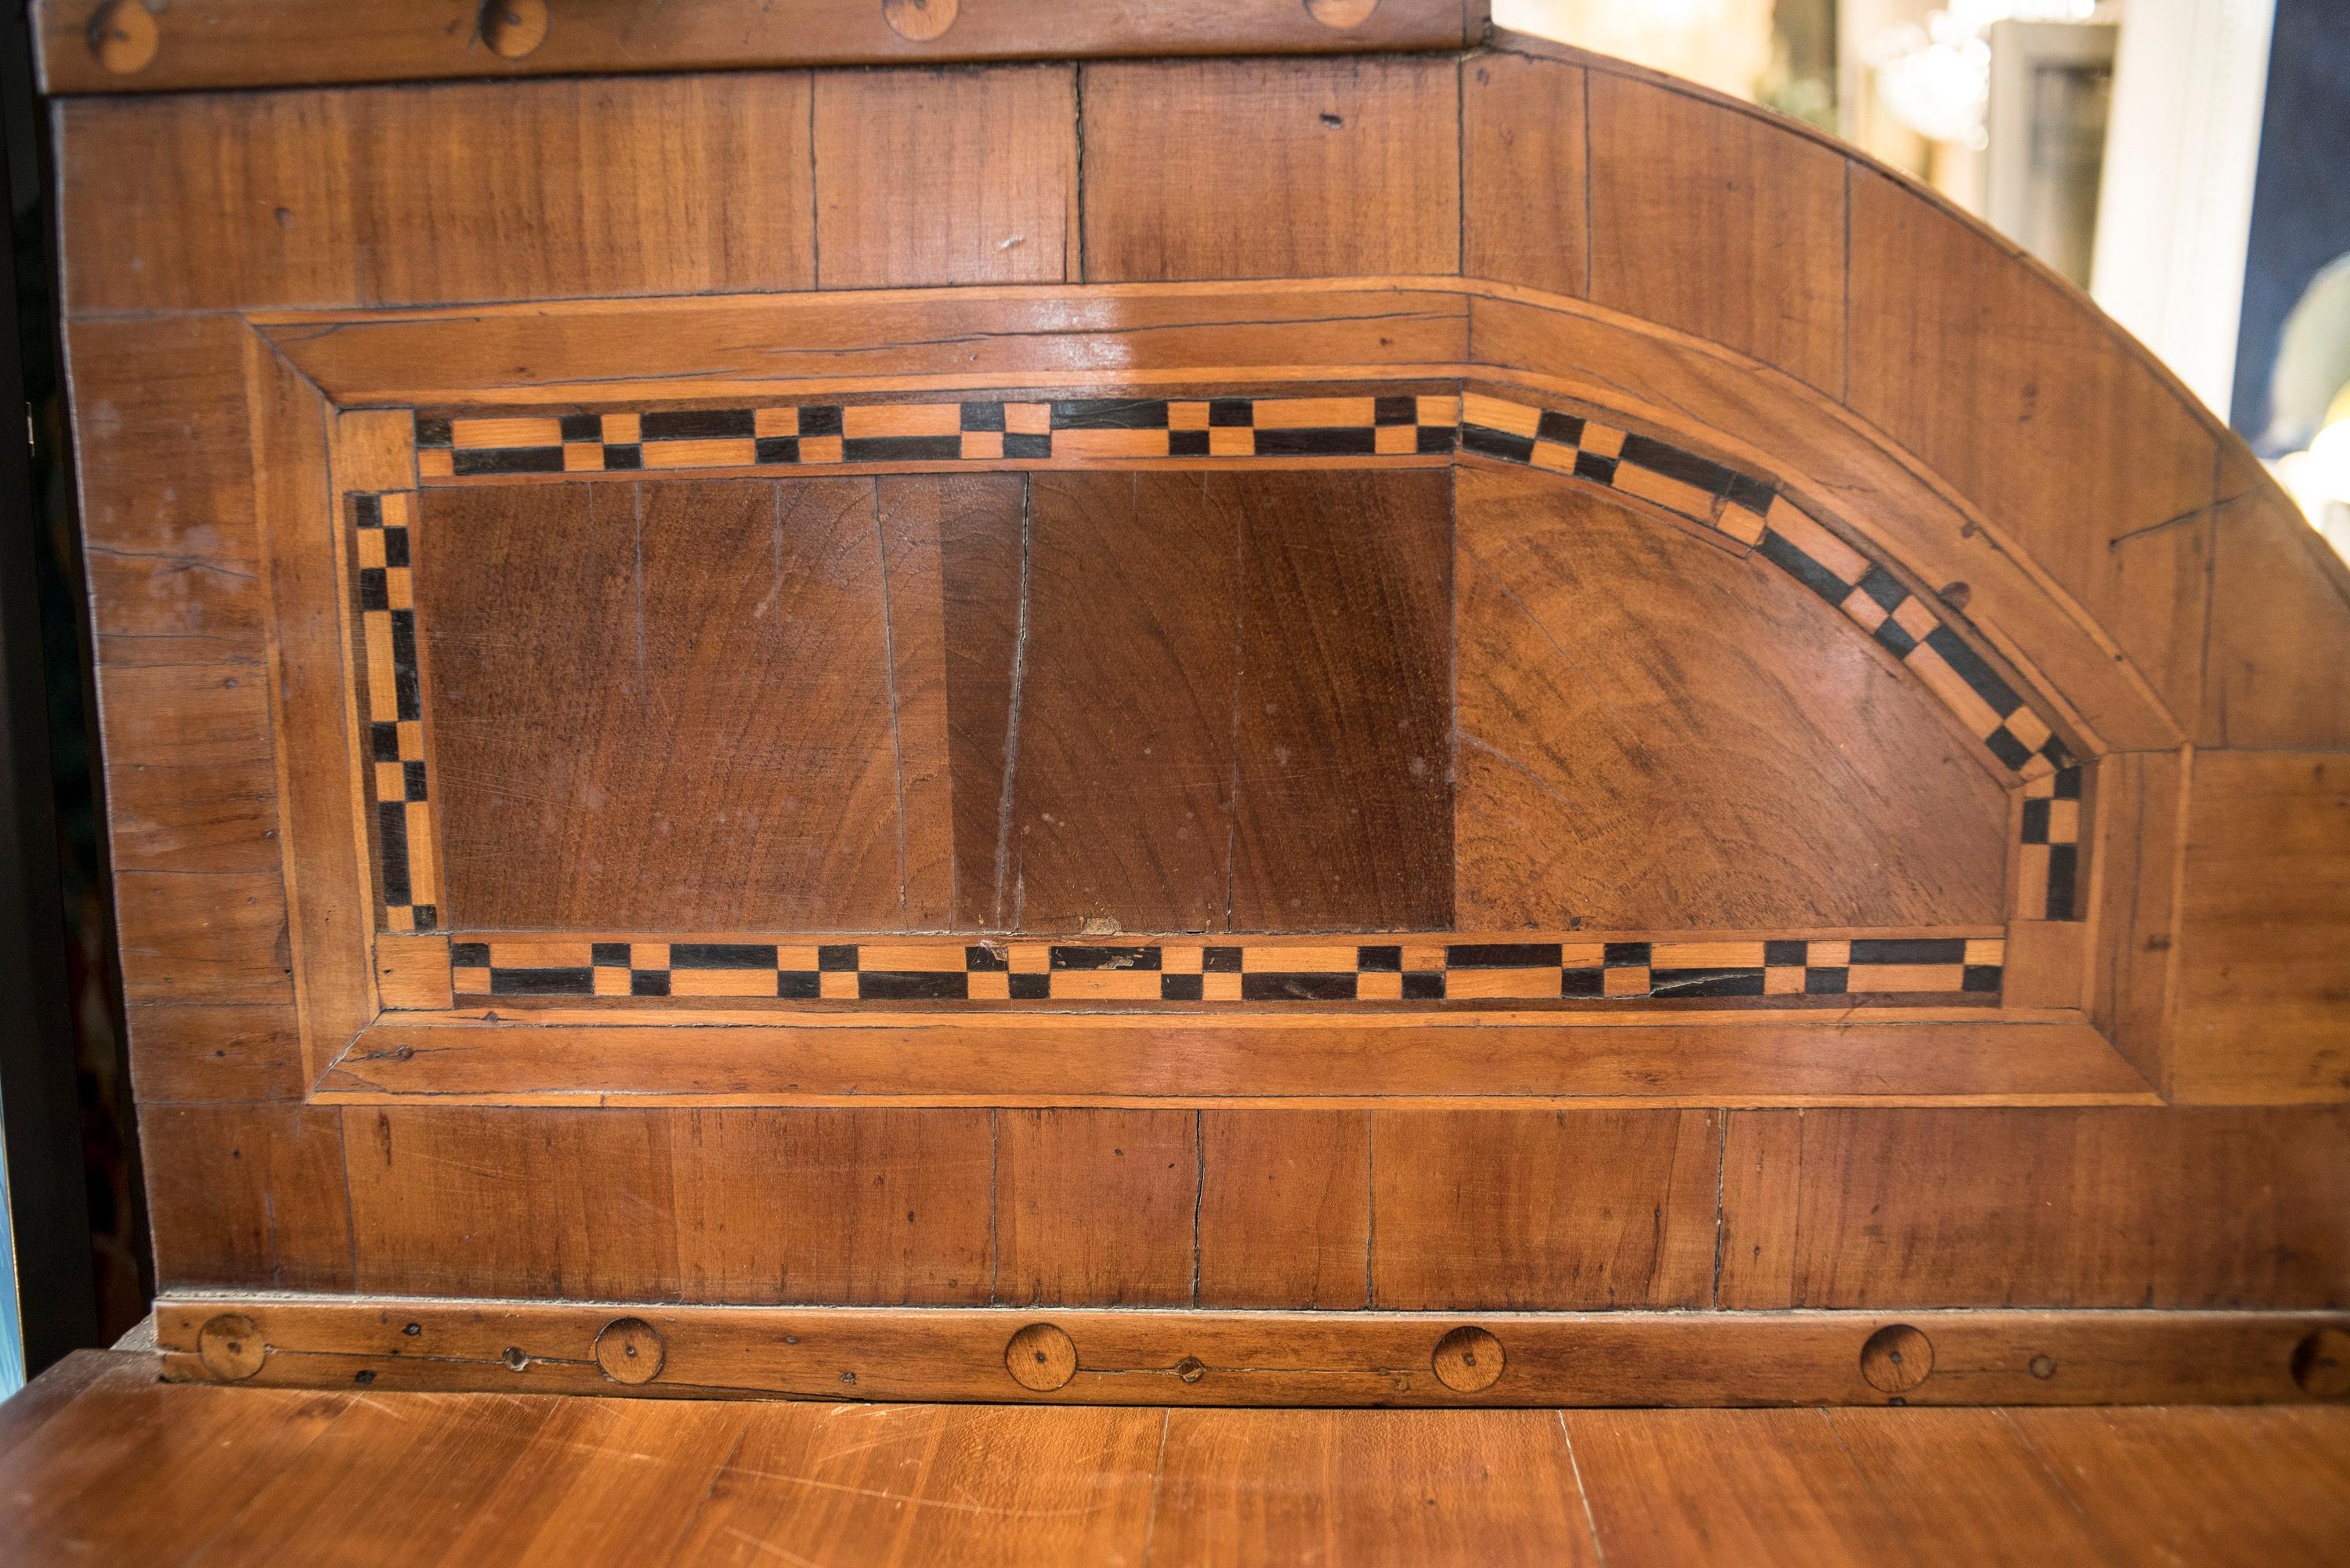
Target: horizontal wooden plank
[
  {"x": 191, "y": 780},
  {"x": 1081, "y": 1058},
  {"x": 766, "y": 347},
  {"x": 262, "y": 200},
  {"x": 278, "y": 43},
  {"x": 1130, "y": 1356},
  {"x": 246, "y": 1196},
  {"x": 2102, "y": 1208},
  {"x": 216, "y": 937},
  {"x": 212, "y": 1053}
]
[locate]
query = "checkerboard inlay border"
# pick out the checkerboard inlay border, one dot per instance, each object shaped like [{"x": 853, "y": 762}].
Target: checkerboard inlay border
[
  {"x": 1363, "y": 969},
  {"x": 392, "y": 699}
]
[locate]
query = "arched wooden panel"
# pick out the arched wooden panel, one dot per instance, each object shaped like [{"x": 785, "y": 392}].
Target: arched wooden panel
[{"x": 1284, "y": 418}]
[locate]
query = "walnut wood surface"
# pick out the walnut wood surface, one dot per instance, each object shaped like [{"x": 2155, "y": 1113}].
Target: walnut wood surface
[
  {"x": 1630, "y": 756},
  {"x": 112, "y": 1463},
  {"x": 2014, "y": 480}
]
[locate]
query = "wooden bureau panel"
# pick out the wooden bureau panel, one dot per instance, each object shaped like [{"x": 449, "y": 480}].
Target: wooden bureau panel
[
  {"x": 2154, "y": 1208},
  {"x": 1096, "y": 1208},
  {"x": 661, "y": 707},
  {"x": 1253, "y": 169},
  {"x": 877, "y": 1207},
  {"x": 1724, "y": 225},
  {"x": 1642, "y": 746},
  {"x": 191, "y": 778},
  {"x": 1343, "y": 805},
  {"x": 984, "y": 547},
  {"x": 946, "y": 177},
  {"x": 1507, "y": 1209}
]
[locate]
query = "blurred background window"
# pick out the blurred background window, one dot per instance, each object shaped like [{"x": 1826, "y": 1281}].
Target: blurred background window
[{"x": 2185, "y": 162}]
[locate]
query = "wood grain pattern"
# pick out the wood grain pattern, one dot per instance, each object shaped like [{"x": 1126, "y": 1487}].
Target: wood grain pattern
[
  {"x": 1096, "y": 1208},
  {"x": 933, "y": 1484},
  {"x": 208, "y": 938},
  {"x": 914, "y": 513},
  {"x": 1513, "y": 1210},
  {"x": 2048, "y": 421},
  {"x": 386, "y": 198},
  {"x": 2029, "y": 1208},
  {"x": 2280, "y": 623},
  {"x": 766, "y": 346},
  {"x": 1122, "y": 774},
  {"x": 1792, "y": 1482},
  {"x": 1284, "y": 1209},
  {"x": 1295, "y": 169},
  {"x": 740, "y": 1205},
  {"x": 984, "y": 542},
  {"x": 1720, "y": 225},
  {"x": 2263, "y": 918},
  {"x": 980, "y": 168},
  {"x": 1251, "y": 1058},
  {"x": 1932, "y": 1470},
  {"x": 166, "y": 490},
  {"x": 216, "y": 1052},
  {"x": 134, "y": 1470},
  {"x": 190, "y": 776},
  {"x": 736, "y": 623},
  {"x": 247, "y": 1195},
  {"x": 241, "y": 43},
  {"x": 2141, "y": 1483},
  {"x": 1526, "y": 215},
  {"x": 1402, "y": 1487},
  {"x": 1638, "y": 751},
  {"x": 1342, "y": 798}
]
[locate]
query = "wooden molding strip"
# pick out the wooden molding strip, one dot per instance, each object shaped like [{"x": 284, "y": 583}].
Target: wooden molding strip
[
  {"x": 125, "y": 45},
  {"x": 1177, "y": 1357}
]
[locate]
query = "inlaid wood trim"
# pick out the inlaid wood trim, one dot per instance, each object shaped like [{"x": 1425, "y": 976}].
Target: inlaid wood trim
[
  {"x": 1192, "y": 1357},
  {"x": 1748, "y": 511},
  {"x": 393, "y": 700},
  {"x": 1383, "y": 967}
]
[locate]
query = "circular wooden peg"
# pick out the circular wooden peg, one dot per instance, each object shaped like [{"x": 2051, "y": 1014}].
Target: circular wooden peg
[
  {"x": 229, "y": 1347},
  {"x": 124, "y": 36},
  {"x": 514, "y": 28},
  {"x": 631, "y": 1350},
  {"x": 1467, "y": 1360},
  {"x": 1897, "y": 1358},
  {"x": 919, "y": 20},
  {"x": 1041, "y": 1358},
  {"x": 2321, "y": 1364},
  {"x": 1342, "y": 14}
]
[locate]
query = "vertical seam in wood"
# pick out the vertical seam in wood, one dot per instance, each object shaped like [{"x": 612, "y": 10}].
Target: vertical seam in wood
[
  {"x": 350, "y": 1209},
  {"x": 1461, "y": 165},
  {"x": 816, "y": 247},
  {"x": 994, "y": 1208},
  {"x": 1582, "y": 1493},
  {"x": 2176, "y": 957},
  {"x": 2211, "y": 598},
  {"x": 889, "y": 664},
  {"x": 1079, "y": 95},
  {"x": 1843, "y": 389},
  {"x": 1198, "y": 1191},
  {"x": 1589, "y": 242},
  {"x": 1721, "y": 1216},
  {"x": 1012, "y": 719}
]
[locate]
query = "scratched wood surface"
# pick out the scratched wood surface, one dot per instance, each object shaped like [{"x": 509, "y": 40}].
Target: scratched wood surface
[
  {"x": 98, "y": 1461},
  {"x": 1559, "y": 221}
]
